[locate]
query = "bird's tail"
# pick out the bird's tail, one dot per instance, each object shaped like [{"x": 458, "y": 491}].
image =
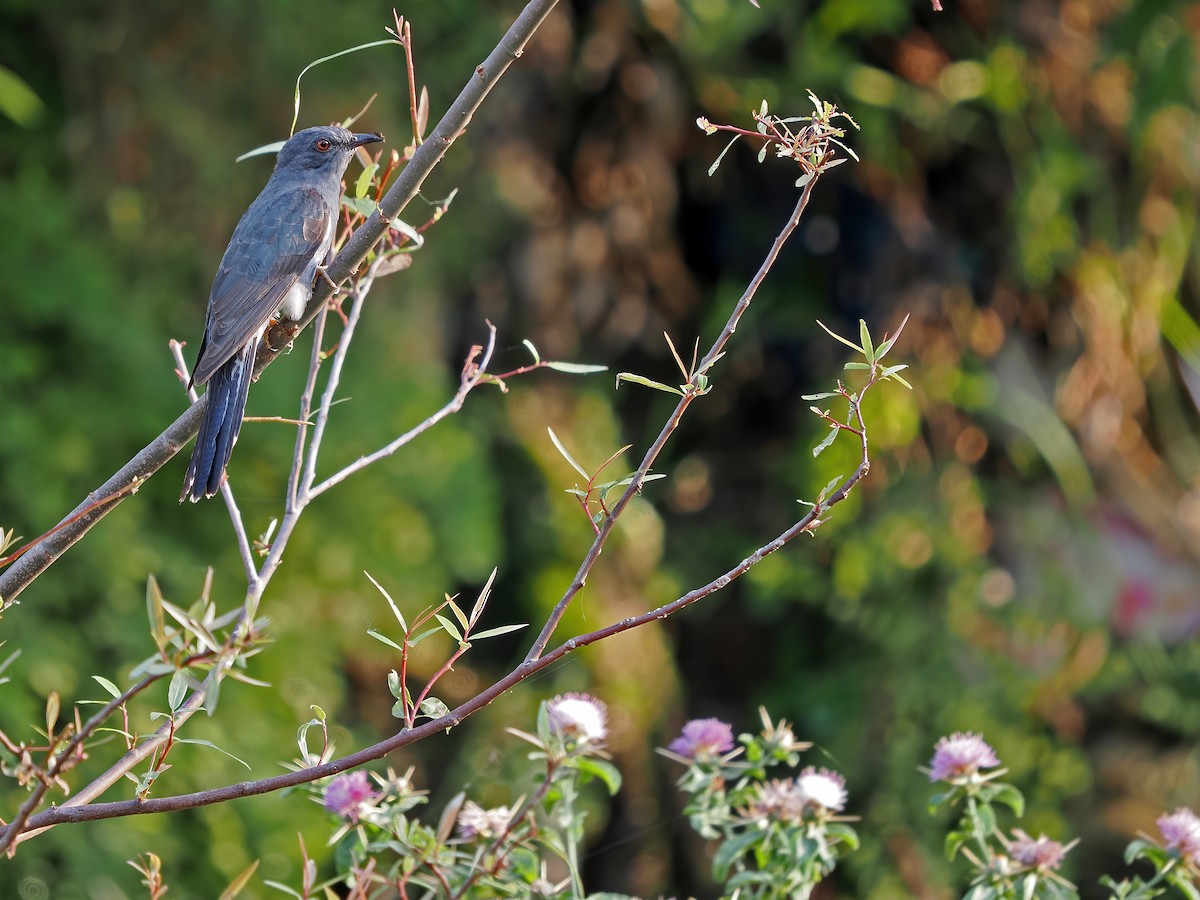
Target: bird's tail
[{"x": 227, "y": 390}]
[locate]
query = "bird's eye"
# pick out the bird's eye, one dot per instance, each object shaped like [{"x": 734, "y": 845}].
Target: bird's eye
[{"x": 323, "y": 145}]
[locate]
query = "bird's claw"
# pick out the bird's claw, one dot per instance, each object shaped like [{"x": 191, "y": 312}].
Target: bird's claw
[{"x": 322, "y": 273}]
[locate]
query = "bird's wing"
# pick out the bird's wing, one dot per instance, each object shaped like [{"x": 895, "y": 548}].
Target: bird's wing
[{"x": 274, "y": 245}]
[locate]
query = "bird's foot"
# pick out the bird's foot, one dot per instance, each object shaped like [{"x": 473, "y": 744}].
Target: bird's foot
[{"x": 322, "y": 274}]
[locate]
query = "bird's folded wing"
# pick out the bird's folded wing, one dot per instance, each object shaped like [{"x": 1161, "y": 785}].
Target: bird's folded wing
[{"x": 273, "y": 246}]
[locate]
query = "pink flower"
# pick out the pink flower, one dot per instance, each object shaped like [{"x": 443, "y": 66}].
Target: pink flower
[
  {"x": 475, "y": 821},
  {"x": 960, "y": 755},
  {"x": 579, "y": 716},
  {"x": 703, "y": 739},
  {"x": 822, "y": 789},
  {"x": 347, "y": 794},
  {"x": 1181, "y": 831},
  {"x": 1042, "y": 853},
  {"x": 778, "y": 799}
]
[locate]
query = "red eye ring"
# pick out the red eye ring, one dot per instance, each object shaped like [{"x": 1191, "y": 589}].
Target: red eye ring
[{"x": 322, "y": 145}]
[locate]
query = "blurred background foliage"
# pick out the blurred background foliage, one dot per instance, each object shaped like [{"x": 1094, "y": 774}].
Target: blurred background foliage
[{"x": 1022, "y": 559}]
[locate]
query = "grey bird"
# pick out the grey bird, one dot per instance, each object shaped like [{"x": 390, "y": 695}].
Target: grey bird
[{"x": 268, "y": 269}]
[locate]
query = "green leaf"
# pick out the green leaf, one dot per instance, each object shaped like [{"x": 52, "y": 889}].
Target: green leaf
[
  {"x": 839, "y": 338},
  {"x": 363, "y": 206},
  {"x": 1010, "y": 797},
  {"x": 273, "y": 147},
  {"x": 323, "y": 59},
  {"x": 856, "y": 365},
  {"x": 833, "y": 482},
  {"x": 567, "y": 456},
  {"x": 449, "y": 627},
  {"x": 1137, "y": 849},
  {"x": 107, "y": 685},
  {"x": 279, "y": 886},
  {"x": 712, "y": 170},
  {"x": 459, "y": 614},
  {"x": 533, "y": 351},
  {"x": 177, "y": 691},
  {"x": 731, "y": 850},
  {"x": 395, "y": 610},
  {"x": 395, "y": 688},
  {"x": 434, "y": 708},
  {"x": 829, "y": 439},
  {"x": 576, "y": 368},
  {"x": 18, "y": 100},
  {"x": 954, "y": 843},
  {"x": 363, "y": 183},
  {"x": 240, "y": 881},
  {"x": 605, "y": 771},
  {"x": 211, "y": 746},
  {"x": 495, "y": 632},
  {"x": 864, "y": 335},
  {"x": 842, "y": 833},
  {"x": 436, "y": 629},
  {"x": 824, "y": 395},
  {"x": 647, "y": 382},
  {"x": 384, "y": 639}
]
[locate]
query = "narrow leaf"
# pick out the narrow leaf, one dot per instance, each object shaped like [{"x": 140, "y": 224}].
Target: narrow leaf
[
  {"x": 384, "y": 639},
  {"x": 177, "y": 690},
  {"x": 864, "y": 335},
  {"x": 567, "y": 456},
  {"x": 107, "y": 685},
  {"x": 720, "y": 156},
  {"x": 449, "y": 627},
  {"x": 53, "y": 706},
  {"x": 363, "y": 183},
  {"x": 493, "y": 632},
  {"x": 646, "y": 382},
  {"x": 829, "y": 439},
  {"x": 203, "y": 743},
  {"x": 243, "y": 878},
  {"x": 391, "y": 602},
  {"x": 533, "y": 350},
  {"x": 481, "y": 601},
  {"x": 840, "y": 339},
  {"x": 576, "y": 368},
  {"x": 459, "y": 614}
]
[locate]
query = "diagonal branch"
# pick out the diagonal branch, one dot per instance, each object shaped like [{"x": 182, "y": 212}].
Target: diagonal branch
[
  {"x": 159, "y": 451},
  {"x": 693, "y": 391}
]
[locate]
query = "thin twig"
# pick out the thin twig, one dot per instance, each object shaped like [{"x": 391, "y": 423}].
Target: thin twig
[
  {"x": 635, "y": 485},
  {"x": 472, "y": 375}
]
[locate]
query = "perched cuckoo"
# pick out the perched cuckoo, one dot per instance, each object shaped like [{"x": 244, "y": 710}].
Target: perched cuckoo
[{"x": 268, "y": 269}]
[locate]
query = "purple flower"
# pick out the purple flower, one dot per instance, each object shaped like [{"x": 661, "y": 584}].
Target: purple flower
[
  {"x": 347, "y": 794},
  {"x": 703, "y": 739},
  {"x": 1181, "y": 831},
  {"x": 962, "y": 754},
  {"x": 1040, "y": 853},
  {"x": 579, "y": 716},
  {"x": 822, "y": 789}
]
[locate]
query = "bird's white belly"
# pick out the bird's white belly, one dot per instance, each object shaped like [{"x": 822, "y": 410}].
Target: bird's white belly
[{"x": 294, "y": 301}]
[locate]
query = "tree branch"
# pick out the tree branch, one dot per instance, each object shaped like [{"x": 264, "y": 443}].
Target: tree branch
[{"x": 159, "y": 451}]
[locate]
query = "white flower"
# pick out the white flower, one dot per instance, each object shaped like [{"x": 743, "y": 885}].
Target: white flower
[
  {"x": 579, "y": 716},
  {"x": 822, "y": 788}
]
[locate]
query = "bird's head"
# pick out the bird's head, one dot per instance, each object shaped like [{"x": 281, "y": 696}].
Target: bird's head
[{"x": 327, "y": 148}]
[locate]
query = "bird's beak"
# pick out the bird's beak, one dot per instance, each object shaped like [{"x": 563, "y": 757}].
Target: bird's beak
[{"x": 360, "y": 139}]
